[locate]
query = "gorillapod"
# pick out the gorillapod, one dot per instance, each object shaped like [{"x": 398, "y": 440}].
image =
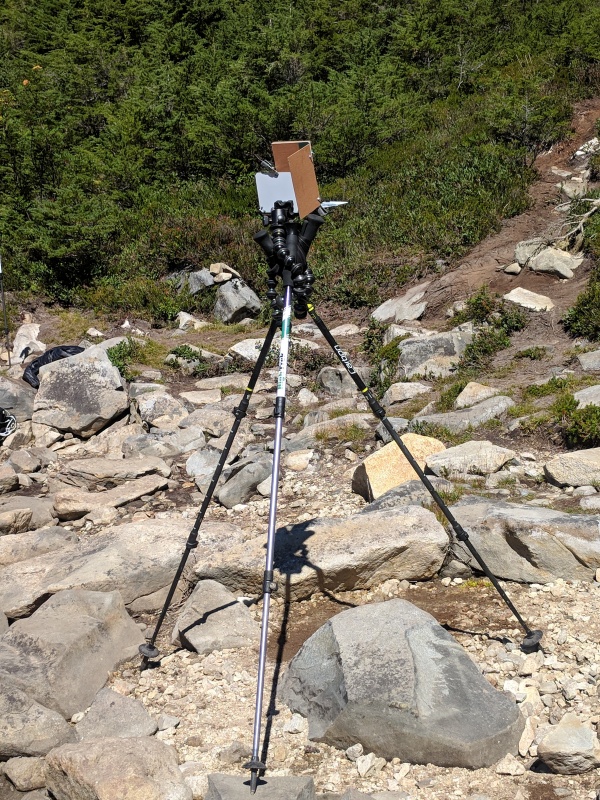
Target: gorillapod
[{"x": 285, "y": 243}]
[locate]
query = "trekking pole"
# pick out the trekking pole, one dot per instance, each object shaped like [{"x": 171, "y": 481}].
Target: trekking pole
[
  {"x": 4, "y": 313},
  {"x": 532, "y": 637},
  {"x": 149, "y": 650},
  {"x": 255, "y": 765}
]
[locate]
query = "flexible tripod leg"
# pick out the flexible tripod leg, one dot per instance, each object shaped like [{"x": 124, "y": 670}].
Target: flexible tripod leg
[
  {"x": 149, "y": 649},
  {"x": 255, "y": 765},
  {"x": 532, "y": 637}
]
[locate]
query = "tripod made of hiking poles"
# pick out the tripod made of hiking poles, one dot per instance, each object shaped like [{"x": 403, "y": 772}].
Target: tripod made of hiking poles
[{"x": 285, "y": 243}]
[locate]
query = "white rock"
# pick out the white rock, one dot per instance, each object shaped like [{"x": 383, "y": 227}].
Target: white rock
[
  {"x": 349, "y": 329},
  {"x": 202, "y": 398},
  {"x": 399, "y": 392},
  {"x": 513, "y": 269},
  {"x": 579, "y": 468},
  {"x": 471, "y": 458},
  {"x": 588, "y": 397},
  {"x": 474, "y": 393},
  {"x": 510, "y": 766},
  {"x": 307, "y": 398},
  {"x": 407, "y": 307},
  {"x": 570, "y": 747},
  {"x": 529, "y": 300},
  {"x": 555, "y": 262}
]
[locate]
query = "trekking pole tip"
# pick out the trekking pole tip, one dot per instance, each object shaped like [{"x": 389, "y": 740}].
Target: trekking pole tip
[
  {"x": 148, "y": 650},
  {"x": 532, "y": 640}
]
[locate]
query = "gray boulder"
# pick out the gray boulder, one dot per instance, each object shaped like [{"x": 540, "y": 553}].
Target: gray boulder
[
  {"x": 115, "y": 470},
  {"x": 212, "y": 619},
  {"x": 101, "y": 769},
  {"x": 235, "y": 301},
  {"x": 26, "y": 774},
  {"x": 336, "y": 554},
  {"x": 399, "y": 424},
  {"x": 389, "y": 676},
  {"x": 527, "y": 249},
  {"x": 409, "y": 306},
  {"x": 470, "y": 458},
  {"x": 23, "y": 546},
  {"x": 338, "y": 382},
  {"x": 26, "y": 727},
  {"x": 81, "y": 394},
  {"x": 243, "y": 484},
  {"x": 42, "y": 509},
  {"x": 579, "y": 468},
  {"x": 588, "y": 397},
  {"x": 570, "y": 748},
  {"x": 137, "y": 559},
  {"x": 160, "y": 410},
  {"x": 555, "y": 262},
  {"x": 462, "y": 420},
  {"x": 529, "y": 543},
  {"x": 165, "y": 444},
  {"x": 590, "y": 362},
  {"x": 432, "y": 355},
  {"x": 474, "y": 393},
  {"x": 412, "y": 493},
  {"x": 278, "y": 787},
  {"x": 14, "y": 522},
  {"x": 17, "y": 399},
  {"x": 62, "y": 654},
  {"x": 112, "y": 715},
  {"x": 200, "y": 280}
]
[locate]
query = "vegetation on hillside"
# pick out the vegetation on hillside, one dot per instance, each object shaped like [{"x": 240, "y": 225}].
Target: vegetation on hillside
[{"x": 129, "y": 132}]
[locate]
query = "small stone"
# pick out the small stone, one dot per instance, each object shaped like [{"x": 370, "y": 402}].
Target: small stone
[
  {"x": 354, "y": 752},
  {"x": 369, "y": 764},
  {"x": 297, "y": 724},
  {"x": 510, "y": 766},
  {"x": 167, "y": 721}
]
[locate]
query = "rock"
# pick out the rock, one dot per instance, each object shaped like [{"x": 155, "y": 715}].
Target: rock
[
  {"x": 160, "y": 410},
  {"x": 399, "y": 424},
  {"x": 389, "y": 667},
  {"x": 513, "y": 269},
  {"x": 510, "y": 766},
  {"x": 347, "y": 329},
  {"x": 411, "y": 493},
  {"x": 590, "y": 362},
  {"x": 202, "y": 398},
  {"x": 307, "y": 398},
  {"x": 165, "y": 444},
  {"x": 555, "y": 262},
  {"x": 331, "y": 428},
  {"x": 212, "y": 619},
  {"x": 200, "y": 280},
  {"x": 101, "y": 769},
  {"x": 137, "y": 559},
  {"x": 474, "y": 393},
  {"x": 591, "y": 503},
  {"x": 81, "y": 394},
  {"x": 75, "y": 503},
  {"x": 42, "y": 509},
  {"x": 570, "y": 747},
  {"x": 338, "y": 382},
  {"x": 336, "y": 554},
  {"x": 14, "y": 522},
  {"x": 529, "y": 300},
  {"x": 530, "y": 544},
  {"x": 579, "y": 468},
  {"x": 574, "y": 189},
  {"x": 202, "y": 465},
  {"x": 26, "y": 774},
  {"x": 17, "y": 399},
  {"x": 21, "y": 437},
  {"x": 276, "y": 787},
  {"x": 242, "y": 485},
  {"x": 399, "y": 392},
  {"x": 527, "y": 249},
  {"x": 26, "y": 336},
  {"x": 299, "y": 460},
  {"x": 3, "y": 624},
  {"x": 235, "y": 380},
  {"x": 215, "y": 421},
  {"x": 74, "y": 633},
  {"x": 24, "y": 461},
  {"x": 235, "y": 301},
  {"x": 410, "y": 306},
  {"x": 136, "y": 389},
  {"x": 8, "y": 479},
  {"x": 432, "y": 355},
  {"x": 23, "y": 546},
  {"x": 26, "y": 727},
  {"x": 187, "y": 322},
  {"x": 388, "y": 467},
  {"x": 112, "y": 715},
  {"x": 116, "y": 470},
  {"x": 588, "y": 397},
  {"x": 470, "y": 458},
  {"x": 462, "y": 420}
]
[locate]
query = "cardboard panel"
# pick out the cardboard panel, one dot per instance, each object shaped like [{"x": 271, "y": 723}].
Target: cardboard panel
[
  {"x": 304, "y": 179},
  {"x": 282, "y": 151}
]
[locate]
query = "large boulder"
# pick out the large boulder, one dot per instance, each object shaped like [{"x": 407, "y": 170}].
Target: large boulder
[
  {"x": 28, "y": 728},
  {"x": 212, "y": 619},
  {"x": 80, "y": 394},
  {"x": 133, "y": 769},
  {"x": 62, "y": 654},
  {"x": 338, "y": 382},
  {"x": 570, "y": 748},
  {"x": 336, "y": 554},
  {"x": 529, "y": 543},
  {"x": 111, "y": 714},
  {"x": 17, "y": 399},
  {"x": 580, "y": 468},
  {"x": 236, "y": 301},
  {"x": 590, "y": 362},
  {"x": 412, "y": 493},
  {"x": 23, "y": 546},
  {"x": 409, "y": 306},
  {"x": 160, "y": 410},
  {"x": 474, "y": 393},
  {"x": 42, "y": 509},
  {"x": 75, "y": 503},
  {"x": 389, "y": 676},
  {"x": 243, "y": 484},
  {"x": 388, "y": 467},
  {"x": 137, "y": 559},
  {"x": 460, "y": 421},
  {"x": 115, "y": 470},
  {"x": 470, "y": 458},
  {"x": 432, "y": 355},
  {"x": 555, "y": 261}
]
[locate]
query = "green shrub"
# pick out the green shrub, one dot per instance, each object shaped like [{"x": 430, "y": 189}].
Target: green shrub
[
  {"x": 449, "y": 395},
  {"x": 584, "y": 318},
  {"x": 583, "y": 427},
  {"x": 124, "y": 354},
  {"x": 533, "y": 353}
]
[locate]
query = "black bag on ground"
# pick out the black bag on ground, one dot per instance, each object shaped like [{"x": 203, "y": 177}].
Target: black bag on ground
[{"x": 54, "y": 354}]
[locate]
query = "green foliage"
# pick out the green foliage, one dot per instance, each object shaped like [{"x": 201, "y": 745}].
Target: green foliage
[
  {"x": 124, "y": 354},
  {"x": 185, "y": 351},
  {"x": 583, "y": 427},
  {"x": 532, "y": 353},
  {"x": 584, "y": 318},
  {"x": 449, "y": 395},
  {"x": 552, "y": 386}
]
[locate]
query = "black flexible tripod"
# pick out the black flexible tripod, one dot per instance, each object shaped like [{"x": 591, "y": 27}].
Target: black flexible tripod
[{"x": 286, "y": 243}]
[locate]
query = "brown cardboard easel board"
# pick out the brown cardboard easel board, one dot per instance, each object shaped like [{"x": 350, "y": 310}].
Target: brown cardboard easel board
[
  {"x": 304, "y": 179},
  {"x": 283, "y": 150}
]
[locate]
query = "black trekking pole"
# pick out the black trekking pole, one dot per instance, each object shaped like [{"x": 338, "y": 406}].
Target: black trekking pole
[
  {"x": 149, "y": 650},
  {"x": 532, "y": 637},
  {"x": 4, "y": 313}
]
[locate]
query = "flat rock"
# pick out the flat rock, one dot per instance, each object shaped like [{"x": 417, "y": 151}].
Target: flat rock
[
  {"x": 202, "y": 398},
  {"x": 100, "y": 769},
  {"x": 570, "y": 748},
  {"x": 588, "y": 397},
  {"x": 309, "y": 436},
  {"x": 214, "y": 420},
  {"x": 411, "y": 493},
  {"x": 113, "y": 715},
  {"x": 529, "y": 300},
  {"x": 165, "y": 444},
  {"x": 530, "y": 544},
  {"x": 81, "y": 394},
  {"x": 8, "y": 479},
  {"x": 400, "y": 392},
  {"x": 42, "y": 509},
  {"x": 470, "y": 458},
  {"x": 212, "y": 619},
  {"x": 527, "y": 249},
  {"x": 115, "y": 470},
  {"x": 75, "y": 503},
  {"x": 409, "y": 306},
  {"x": 234, "y": 380},
  {"x": 555, "y": 262},
  {"x": 338, "y": 382},
  {"x": 272, "y": 787},
  {"x": 27, "y": 728},
  {"x": 75, "y": 633},
  {"x": 579, "y": 468},
  {"x": 23, "y": 546},
  {"x": 160, "y": 410},
  {"x": 336, "y": 554},
  {"x": 17, "y": 399},
  {"x": 590, "y": 362},
  {"x": 14, "y": 522},
  {"x": 388, "y": 676},
  {"x": 473, "y": 417},
  {"x": 137, "y": 559},
  {"x": 26, "y": 774},
  {"x": 434, "y": 355},
  {"x": 386, "y": 468},
  {"x": 474, "y": 393}
]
